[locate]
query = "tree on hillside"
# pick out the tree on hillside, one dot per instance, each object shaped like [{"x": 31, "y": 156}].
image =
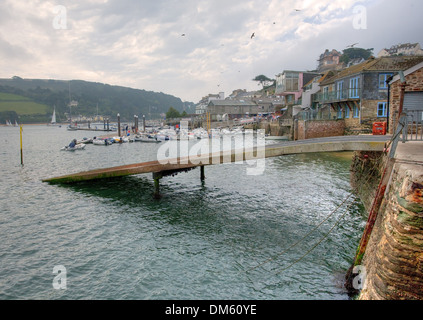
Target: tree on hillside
[
  {"x": 172, "y": 113},
  {"x": 263, "y": 81},
  {"x": 355, "y": 53}
]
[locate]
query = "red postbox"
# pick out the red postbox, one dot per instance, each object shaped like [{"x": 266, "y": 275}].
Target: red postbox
[{"x": 379, "y": 128}]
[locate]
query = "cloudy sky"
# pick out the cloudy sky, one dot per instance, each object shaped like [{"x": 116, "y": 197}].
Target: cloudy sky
[{"x": 190, "y": 48}]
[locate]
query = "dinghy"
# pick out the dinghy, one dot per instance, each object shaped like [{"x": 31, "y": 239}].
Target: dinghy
[{"x": 80, "y": 146}]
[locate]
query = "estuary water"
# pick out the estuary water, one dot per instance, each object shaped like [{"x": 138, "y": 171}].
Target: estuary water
[{"x": 233, "y": 236}]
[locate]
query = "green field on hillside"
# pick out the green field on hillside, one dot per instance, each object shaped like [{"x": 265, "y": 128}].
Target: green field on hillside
[
  {"x": 12, "y": 97},
  {"x": 23, "y": 107}
]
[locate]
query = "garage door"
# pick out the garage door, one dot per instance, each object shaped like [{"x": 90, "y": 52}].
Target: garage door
[{"x": 413, "y": 104}]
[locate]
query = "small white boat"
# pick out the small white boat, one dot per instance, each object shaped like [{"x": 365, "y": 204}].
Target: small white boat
[
  {"x": 99, "y": 142},
  {"x": 80, "y": 146},
  {"x": 120, "y": 139},
  {"x": 162, "y": 137},
  {"x": 72, "y": 128},
  {"x": 201, "y": 134},
  {"x": 147, "y": 138},
  {"x": 85, "y": 140},
  {"x": 102, "y": 142}
]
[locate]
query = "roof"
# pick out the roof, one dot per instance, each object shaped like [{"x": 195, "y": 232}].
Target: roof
[
  {"x": 323, "y": 76},
  {"x": 402, "y": 46},
  {"x": 408, "y": 71},
  {"x": 232, "y": 103},
  {"x": 376, "y": 64},
  {"x": 328, "y": 53}
]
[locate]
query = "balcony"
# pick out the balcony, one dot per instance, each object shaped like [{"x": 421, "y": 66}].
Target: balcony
[{"x": 337, "y": 96}]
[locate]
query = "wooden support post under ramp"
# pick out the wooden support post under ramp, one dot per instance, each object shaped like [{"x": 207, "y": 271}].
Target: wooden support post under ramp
[
  {"x": 161, "y": 174},
  {"x": 203, "y": 176},
  {"x": 156, "y": 177}
]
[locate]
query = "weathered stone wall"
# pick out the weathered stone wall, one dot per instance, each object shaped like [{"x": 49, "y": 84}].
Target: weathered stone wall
[
  {"x": 352, "y": 125},
  {"x": 371, "y": 90},
  {"x": 270, "y": 128},
  {"x": 309, "y": 129},
  {"x": 394, "y": 260},
  {"x": 366, "y": 172},
  {"x": 369, "y": 115}
]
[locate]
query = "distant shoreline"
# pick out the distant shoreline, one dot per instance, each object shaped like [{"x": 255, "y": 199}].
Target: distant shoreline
[{"x": 28, "y": 124}]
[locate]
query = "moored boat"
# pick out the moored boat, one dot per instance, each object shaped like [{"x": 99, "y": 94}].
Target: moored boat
[
  {"x": 102, "y": 141},
  {"x": 146, "y": 138},
  {"x": 85, "y": 140},
  {"x": 79, "y": 146}
]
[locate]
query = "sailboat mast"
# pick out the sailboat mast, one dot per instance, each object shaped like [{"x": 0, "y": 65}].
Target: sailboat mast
[
  {"x": 53, "y": 118},
  {"x": 70, "y": 106}
]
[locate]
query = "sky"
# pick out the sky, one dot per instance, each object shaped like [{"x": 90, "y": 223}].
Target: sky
[{"x": 191, "y": 48}]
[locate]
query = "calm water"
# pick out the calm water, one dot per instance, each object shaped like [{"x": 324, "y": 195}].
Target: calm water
[{"x": 198, "y": 242}]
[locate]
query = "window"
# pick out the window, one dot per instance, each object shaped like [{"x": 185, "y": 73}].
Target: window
[
  {"x": 382, "y": 109},
  {"x": 325, "y": 93},
  {"x": 355, "y": 112},
  {"x": 355, "y": 87},
  {"x": 291, "y": 82},
  {"x": 340, "y": 90},
  {"x": 339, "y": 113},
  {"x": 347, "y": 112},
  {"x": 289, "y": 98},
  {"x": 382, "y": 80}
]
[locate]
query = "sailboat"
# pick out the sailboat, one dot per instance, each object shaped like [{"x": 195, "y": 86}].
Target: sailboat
[
  {"x": 8, "y": 123},
  {"x": 53, "y": 117}
]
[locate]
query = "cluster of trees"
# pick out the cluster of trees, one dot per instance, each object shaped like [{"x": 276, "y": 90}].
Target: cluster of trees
[
  {"x": 172, "y": 113},
  {"x": 264, "y": 81},
  {"x": 355, "y": 53}
]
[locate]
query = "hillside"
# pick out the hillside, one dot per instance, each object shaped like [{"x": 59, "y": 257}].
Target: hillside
[
  {"x": 21, "y": 109},
  {"x": 33, "y": 100}
]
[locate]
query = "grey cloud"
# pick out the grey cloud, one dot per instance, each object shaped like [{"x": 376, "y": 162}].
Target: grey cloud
[{"x": 11, "y": 52}]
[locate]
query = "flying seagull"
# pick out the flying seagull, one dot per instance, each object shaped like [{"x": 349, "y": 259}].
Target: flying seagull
[
  {"x": 253, "y": 35},
  {"x": 352, "y": 45},
  {"x": 183, "y": 35},
  {"x": 297, "y": 9}
]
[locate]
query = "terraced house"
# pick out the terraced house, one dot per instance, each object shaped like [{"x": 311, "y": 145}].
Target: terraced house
[{"x": 359, "y": 94}]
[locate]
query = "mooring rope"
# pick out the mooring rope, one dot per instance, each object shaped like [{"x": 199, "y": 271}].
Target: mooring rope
[
  {"x": 302, "y": 239},
  {"x": 319, "y": 242}
]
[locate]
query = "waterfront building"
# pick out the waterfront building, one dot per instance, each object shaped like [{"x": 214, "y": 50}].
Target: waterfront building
[
  {"x": 358, "y": 95},
  {"x": 329, "y": 60},
  {"x": 406, "y": 49},
  {"x": 289, "y": 85},
  {"x": 201, "y": 107},
  {"x": 233, "y": 109}
]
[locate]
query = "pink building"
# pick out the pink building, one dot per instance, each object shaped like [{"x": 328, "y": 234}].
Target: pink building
[{"x": 289, "y": 85}]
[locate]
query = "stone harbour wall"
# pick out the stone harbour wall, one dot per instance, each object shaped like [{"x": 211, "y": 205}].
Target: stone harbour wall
[{"x": 393, "y": 261}]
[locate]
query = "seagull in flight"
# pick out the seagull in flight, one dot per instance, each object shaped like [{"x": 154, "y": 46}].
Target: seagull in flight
[
  {"x": 352, "y": 45},
  {"x": 297, "y": 10},
  {"x": 253, "y": 35},
  {"x": 183, "y": 35}
]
